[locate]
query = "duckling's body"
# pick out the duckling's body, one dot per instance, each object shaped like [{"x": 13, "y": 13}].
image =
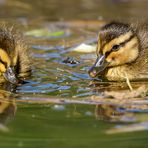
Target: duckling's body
[
  {"x": 14, "y": 59},
  {"x": 122, "y": 52}
]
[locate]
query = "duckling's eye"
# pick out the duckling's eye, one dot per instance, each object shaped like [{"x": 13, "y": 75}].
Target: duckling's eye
[{"x": 115, "y": 47}]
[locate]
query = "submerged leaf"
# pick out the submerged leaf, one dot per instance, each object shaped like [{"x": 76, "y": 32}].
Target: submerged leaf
[{"x": 44, "y": 32}]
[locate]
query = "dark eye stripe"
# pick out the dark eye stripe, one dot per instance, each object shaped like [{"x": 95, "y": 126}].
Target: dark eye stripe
[
  {"x": 120, "y": 45},
  {"x": 130, "y": 38},
  {"x": 4, "y": 63}
]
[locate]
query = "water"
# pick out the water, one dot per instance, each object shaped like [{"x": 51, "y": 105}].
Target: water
[{"x": 34, "y": 116}]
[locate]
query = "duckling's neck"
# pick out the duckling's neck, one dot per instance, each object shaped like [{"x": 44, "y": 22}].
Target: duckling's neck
[
  {"x": 131, "y": 70},
  {"x": 117, "y": 73}
]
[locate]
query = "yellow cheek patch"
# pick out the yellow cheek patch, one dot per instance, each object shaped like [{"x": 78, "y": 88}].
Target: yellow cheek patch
[
  {"x": 2, "y": 68},
  {"x": 117, "y": 41},
  {"x": 4, "y": 57},
  {"x": 116, "y": 58}
]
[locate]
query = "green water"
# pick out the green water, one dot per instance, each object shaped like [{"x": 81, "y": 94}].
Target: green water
[
  {"x": 37, "y": 126},
  {"x": 56, "y": 30}
]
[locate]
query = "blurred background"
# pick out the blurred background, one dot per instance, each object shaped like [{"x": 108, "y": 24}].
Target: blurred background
[{"x": 54, "y": 10}]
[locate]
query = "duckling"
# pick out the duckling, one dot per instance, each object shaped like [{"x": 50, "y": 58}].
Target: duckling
[
  {"x": 122, "y": 52},
  {"x": 14, "y": 56}
]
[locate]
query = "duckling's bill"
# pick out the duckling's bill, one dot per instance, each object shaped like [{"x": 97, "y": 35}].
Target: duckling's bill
[
  {"x": 99, "y": 66},
  {"x": 10, "y": 76}
]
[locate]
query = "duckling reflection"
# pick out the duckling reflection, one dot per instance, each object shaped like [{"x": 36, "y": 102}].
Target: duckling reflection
[
  {"x": 14, "y": 58},
  {"x": 7, "y": 109},
  {"x": 113, "y": 113},
  {"x": 122, "y": 51}
]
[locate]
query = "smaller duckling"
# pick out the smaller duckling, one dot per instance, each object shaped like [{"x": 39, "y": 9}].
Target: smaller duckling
[
  {"x": 14, "y": 56},
  {"x": 122, "y": 52}
]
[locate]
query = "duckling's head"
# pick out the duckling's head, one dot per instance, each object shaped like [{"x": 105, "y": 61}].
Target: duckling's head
[
  {"x": 117, "y": 45},
  {"x": 6, "y": 67}
]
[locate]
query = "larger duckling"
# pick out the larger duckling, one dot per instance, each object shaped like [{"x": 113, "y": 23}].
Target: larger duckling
[
  {"x": 122, "y": 52},
  {"x": 14, "y": 59}
]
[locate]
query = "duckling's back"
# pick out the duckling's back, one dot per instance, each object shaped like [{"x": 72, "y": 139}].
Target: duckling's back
[{"x": 141, "y": 29}]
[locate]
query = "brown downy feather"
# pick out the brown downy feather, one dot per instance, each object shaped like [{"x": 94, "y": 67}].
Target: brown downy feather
[{"x": 12, "y": 42}]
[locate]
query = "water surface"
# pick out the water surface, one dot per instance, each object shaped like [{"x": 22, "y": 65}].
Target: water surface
[{"x": 34, "y": 115}]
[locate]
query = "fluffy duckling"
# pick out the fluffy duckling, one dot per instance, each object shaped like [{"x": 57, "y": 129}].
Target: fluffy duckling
[
  {"x": 14, "y": 59},
  {"x": 122, "y": 52}
]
